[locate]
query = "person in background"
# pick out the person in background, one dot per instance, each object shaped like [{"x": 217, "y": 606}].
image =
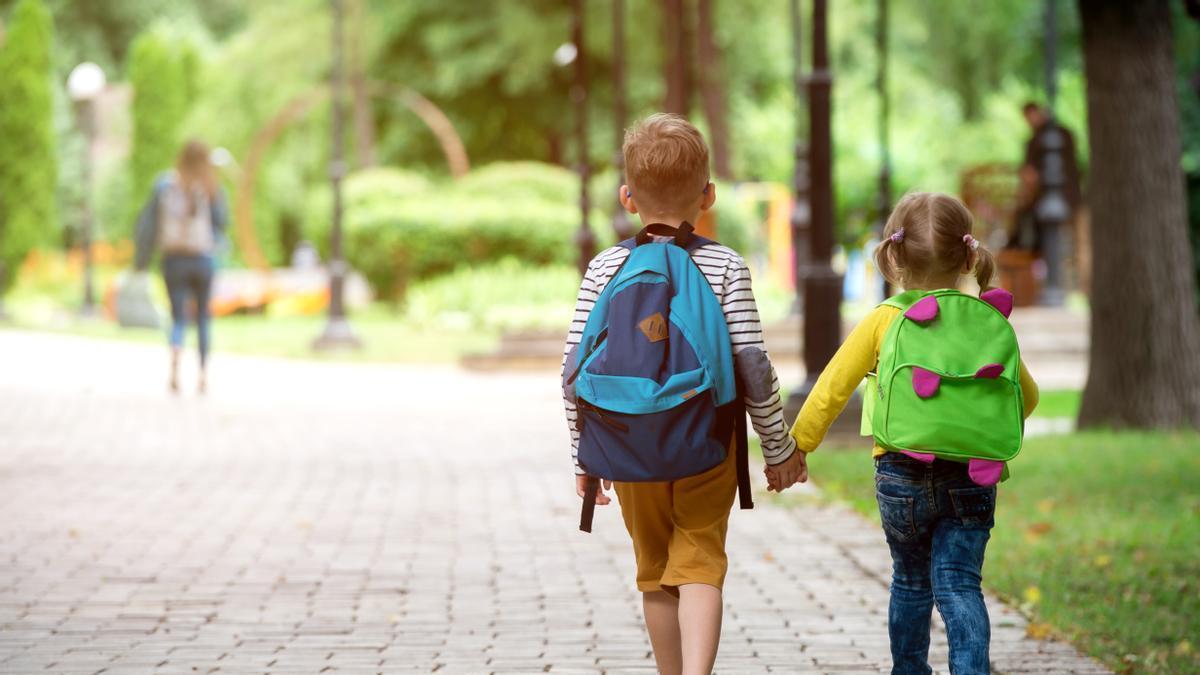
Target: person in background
[
  {"x": 1031, "y": 233},
  {"x": 185, "y": 218}
]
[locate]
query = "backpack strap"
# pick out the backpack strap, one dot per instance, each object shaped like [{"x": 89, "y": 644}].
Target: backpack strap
[
  {"x": 590, "y": 490},
  {"x": 745, "y": 497},
  {"x": 903, "y": 300}
]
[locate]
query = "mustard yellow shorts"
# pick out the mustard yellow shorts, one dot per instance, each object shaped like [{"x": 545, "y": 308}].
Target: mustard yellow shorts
[{"x": 678, "y": 527}]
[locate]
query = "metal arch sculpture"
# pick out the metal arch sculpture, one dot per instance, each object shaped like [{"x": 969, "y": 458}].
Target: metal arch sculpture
[{"x": 300, "y": 106}]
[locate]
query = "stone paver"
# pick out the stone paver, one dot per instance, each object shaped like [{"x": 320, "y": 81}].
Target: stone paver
[{"x": 310, "y": 517}]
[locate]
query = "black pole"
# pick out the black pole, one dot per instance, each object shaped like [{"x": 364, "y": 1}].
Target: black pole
[
  {"x": 584, "y": 238},
  {"x": 822, "y": 285},
  {"x": 1052, "y": 210},
  {"x": 800, "y": 215},
  {"x": 621, "y": 222},
  {"x": 885, "y": 164},
  {"x": 337, "y": 333},
  {"x": 87, "y": 120}
]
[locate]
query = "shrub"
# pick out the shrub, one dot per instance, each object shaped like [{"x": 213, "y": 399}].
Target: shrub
[
  {"x": 521, "y": 181},
  {"x": 400, "y": 228},
  {"x": 162, "y": 73},
  {"x": 507, "y": 295},
  {"x": 28, "y": 165},
  {"x": 428, "y": 237}
]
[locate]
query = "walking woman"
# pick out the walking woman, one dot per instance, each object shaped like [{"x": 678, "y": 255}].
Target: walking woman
[{"x": 185, "y": 218}]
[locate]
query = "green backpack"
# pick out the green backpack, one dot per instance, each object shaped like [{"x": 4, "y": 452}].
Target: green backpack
[{"x": 948, "y": 384}]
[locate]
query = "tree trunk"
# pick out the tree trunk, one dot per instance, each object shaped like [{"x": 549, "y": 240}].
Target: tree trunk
[
  {"x": 712, "y": 90},
  {"x": 675, "y": 61},
  {"x": 1145, "y": 355}
]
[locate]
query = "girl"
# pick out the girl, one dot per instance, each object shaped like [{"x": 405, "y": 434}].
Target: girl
[
  {"x": 936, "y": 519},
  {"x": 185, "y": 217}
]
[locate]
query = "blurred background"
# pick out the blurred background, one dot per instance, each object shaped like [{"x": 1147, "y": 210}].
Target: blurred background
[
  {"x": 461, "y": 145},
  {"x": 439, "y": 213}
]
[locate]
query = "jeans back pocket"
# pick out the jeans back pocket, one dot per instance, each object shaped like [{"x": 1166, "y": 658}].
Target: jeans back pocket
[
  {"x": 974, "y": 506},
  {"x": 896, "y": 513}
]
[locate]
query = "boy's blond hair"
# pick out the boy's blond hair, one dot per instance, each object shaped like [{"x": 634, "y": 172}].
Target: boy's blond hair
[{"x": 666, "y": 164}]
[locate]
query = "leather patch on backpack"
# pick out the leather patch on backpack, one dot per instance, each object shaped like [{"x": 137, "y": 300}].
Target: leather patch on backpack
[{"x": 654, "y": 327}]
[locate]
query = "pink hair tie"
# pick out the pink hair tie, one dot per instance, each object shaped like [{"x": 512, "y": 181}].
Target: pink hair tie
[
  {"x": 971, "y": 242},
  {"x": 897, "y": 236}
]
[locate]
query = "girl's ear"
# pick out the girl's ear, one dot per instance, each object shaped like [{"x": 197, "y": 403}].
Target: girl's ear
[{"x": 625, "y": 196}]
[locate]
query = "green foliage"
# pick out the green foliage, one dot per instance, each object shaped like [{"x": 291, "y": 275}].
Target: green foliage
[
  {"x": 421, "y": 239},
  {"x": 28, "y": 165},
  {"x": 1107, "y": 557},
  {"x": 400, "y": 228},
  {"x": 163, "y": 74},
  {"x": 508, "y": 295}
]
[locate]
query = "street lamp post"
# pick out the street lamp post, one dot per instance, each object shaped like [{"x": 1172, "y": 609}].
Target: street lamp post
[
  {"x": 822, "y": 285},
  {"x": 1052, "y": 209},
  {"x": 337, "y": 333},
  {"x": 84, "y": 84},
  {"x": 621, "y": 223},
  {"x": 800, "y": 215},
  {"x": 885, "y": 163}
]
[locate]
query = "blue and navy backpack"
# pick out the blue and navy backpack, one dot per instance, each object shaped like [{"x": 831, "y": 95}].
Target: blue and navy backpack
[{"x": 653, "y": 376}]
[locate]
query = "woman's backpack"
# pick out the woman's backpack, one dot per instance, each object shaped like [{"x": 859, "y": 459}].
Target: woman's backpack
[
  {"x": 948, "y": 381},
  {"x": 185, "y": 225}
]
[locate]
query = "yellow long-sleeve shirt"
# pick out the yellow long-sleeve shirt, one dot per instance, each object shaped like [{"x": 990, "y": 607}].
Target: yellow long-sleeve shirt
[{"x": 857, "y": 356}]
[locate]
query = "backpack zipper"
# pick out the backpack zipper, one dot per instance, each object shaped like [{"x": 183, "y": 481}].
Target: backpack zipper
[{"x": 584, "y": 405}]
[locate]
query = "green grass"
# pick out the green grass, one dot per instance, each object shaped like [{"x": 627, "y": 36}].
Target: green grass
[
  {"x": 1059, "y": 403},
  {"x": 1097, "y": 539},
  {"x": 385, "y": 336}
]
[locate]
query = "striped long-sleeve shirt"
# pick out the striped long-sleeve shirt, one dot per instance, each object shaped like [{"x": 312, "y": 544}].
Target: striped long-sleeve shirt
[{"x": 729, "y": 277}]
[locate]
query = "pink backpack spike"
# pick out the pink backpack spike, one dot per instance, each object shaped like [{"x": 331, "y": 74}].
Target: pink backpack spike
[
  {"x": 924, "y": 310},
  {"x": 990, "y": 372},
  {"x": 985, "y": 472},
  {"x": 1000, "y": 299},
  {"x": 925, "y": 382}
]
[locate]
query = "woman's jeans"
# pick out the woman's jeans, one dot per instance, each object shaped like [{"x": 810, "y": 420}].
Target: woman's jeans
[
  {"x": 937, "y": 523},
  {"x": 189, "y": 276}
]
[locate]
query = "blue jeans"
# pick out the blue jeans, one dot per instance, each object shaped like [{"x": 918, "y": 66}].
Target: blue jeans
[
  {"x": 189, "y": 276},
  {"x": 937, "y": 522}
]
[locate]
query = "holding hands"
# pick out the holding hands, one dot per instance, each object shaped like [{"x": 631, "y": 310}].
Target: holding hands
[{"x": 787, "y": 473}]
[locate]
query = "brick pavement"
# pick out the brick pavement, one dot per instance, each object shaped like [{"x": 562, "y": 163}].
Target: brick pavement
[{"x": 312, "y": 518}]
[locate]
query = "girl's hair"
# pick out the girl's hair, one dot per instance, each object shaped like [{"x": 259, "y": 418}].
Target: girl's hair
[
  {"x": 196, "y": 171},
  {"x": 929, "y": 235}
]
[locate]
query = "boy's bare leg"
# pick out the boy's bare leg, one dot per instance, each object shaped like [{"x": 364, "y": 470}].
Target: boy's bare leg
[
  {"x": 699, "y": 627},
  {"x": 662, "y": 622}
]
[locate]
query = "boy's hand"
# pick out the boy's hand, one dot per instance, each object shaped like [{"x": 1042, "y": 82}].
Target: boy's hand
[
  {"x": 786, "y": 474},
  {"x": 601, "y": 498}
]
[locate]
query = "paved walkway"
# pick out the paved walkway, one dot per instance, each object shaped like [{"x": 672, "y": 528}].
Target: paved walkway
[{"x": 309, "y": 517}]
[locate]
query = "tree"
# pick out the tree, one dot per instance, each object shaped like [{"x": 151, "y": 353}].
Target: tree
[
  {"x": 1145, "y": 360},
  {"x": 676, "y": 73},
  {"x": 163, "y": 77},
  {"x": 28, "y": 165},
  {"x": 713, "y": 95}
]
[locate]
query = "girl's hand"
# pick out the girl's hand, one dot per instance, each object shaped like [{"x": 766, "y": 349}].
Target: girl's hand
[
  {"x": 786, "y": 474},
  {"x": 601, "y": 498}
]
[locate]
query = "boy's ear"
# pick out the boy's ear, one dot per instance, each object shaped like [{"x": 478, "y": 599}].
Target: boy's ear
[
  {"x": 710, "y": 196},
  {"x": 625, "y": 196}
]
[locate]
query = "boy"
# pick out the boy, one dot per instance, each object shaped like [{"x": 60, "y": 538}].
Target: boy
[{"x": 678, "y": 528}]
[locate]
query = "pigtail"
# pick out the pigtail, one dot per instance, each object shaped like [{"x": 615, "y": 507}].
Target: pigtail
[
  {"x": 985, "y": 267},
  {"x": 889, "y": 259}
]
